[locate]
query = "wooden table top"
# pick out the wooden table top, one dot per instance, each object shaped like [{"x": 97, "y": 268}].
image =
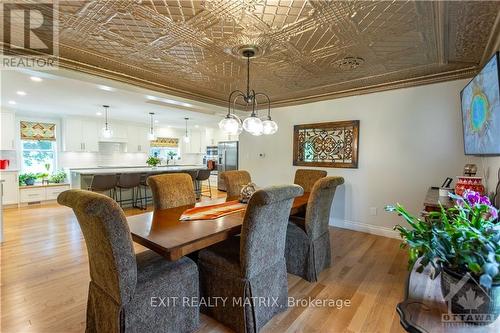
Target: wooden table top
[
  {"x": 424, "y": 306},
  {"x": 432, "y": 199},
  {"x": 162, "y": 232}
]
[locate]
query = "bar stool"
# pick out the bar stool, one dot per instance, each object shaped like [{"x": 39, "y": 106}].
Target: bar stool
[
  {"x": 143, "y": 189},
  {"x": 196, "y": 184},
  {"x": 103, "y": 183},
  {"x": 129, "y": 181},
  {"x": 202, "y": 176}
]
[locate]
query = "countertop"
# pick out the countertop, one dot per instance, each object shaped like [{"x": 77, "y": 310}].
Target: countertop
[
  {"x": 9, "y": 170},
  {"x": 164, "y": 168}
]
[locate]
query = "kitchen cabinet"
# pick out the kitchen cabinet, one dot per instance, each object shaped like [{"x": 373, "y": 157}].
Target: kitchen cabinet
[
  {"x": 137, "y": 139},
  {"x": 80, "y": 135},
  {"x": 194, "y": 145},
  {"x": 39, "y": 193},
  {"x": 8, "y": 128},
  {"x": 10, "y": 187}
]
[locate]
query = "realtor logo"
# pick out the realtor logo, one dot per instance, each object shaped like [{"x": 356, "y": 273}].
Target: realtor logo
[
  {"x": 30, "y": 32},
  {"x": 470, "y": 296}
]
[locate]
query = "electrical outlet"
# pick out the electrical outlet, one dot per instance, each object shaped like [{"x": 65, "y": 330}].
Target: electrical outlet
[{"x": 373, "y": 211}]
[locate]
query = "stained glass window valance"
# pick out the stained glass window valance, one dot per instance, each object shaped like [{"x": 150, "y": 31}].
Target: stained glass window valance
[
  {"x": 165, "y": 142},
  {"x": 38, "y": 131}
]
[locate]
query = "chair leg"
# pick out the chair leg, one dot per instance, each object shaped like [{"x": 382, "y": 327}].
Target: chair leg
[{"x": 210, "y": 188}]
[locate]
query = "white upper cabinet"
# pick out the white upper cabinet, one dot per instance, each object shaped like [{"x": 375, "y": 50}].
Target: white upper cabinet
[
  {"x": 80, "y": 135},
  {"x": 8, "y": 127},
  {"x": 137, "y": 139},
  {"x": 194, "y": 145}
]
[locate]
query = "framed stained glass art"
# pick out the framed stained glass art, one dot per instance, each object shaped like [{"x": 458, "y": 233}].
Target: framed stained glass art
[{"x": 333, "y": 144}]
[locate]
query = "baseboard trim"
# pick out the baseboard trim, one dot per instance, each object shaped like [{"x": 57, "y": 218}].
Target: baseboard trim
[{"x": 367, "y": 228}]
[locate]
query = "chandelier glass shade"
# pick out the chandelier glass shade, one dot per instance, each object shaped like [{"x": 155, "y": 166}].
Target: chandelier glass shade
[
  {"x": 106, "y": 131},
  {"x": 232, "y": 124}
]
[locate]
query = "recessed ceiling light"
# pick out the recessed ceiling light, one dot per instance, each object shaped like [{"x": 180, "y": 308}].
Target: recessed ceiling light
[
  {"x": 157, "y": 121},
  {"x": 98, "y": 113},
  {"x": 21, "y": 93},
  {"x": 196, "y": 126},
  {"x": 12, "y": 102},
  {"x": 105, "y": 88},
  {"x": 36, "y": 79}
]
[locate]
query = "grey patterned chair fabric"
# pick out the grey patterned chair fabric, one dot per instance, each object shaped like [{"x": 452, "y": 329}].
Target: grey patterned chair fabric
[
  {"x": 252, "y": 264},
  {"x": 235, "y": 180},
  {"x": 308, "y": 177},
  {"x": 172, "y": 190},
  {"x": 308, "y": 250},
  {"x": 122, "y": 284}
]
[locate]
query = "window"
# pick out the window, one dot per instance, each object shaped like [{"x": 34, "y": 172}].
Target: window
[
  {"x": 38, "y": 156},
  {"x": 165, "y": 153}
]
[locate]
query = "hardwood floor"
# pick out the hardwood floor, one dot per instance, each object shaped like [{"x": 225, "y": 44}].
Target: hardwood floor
[{"x": 44, "y": 279}]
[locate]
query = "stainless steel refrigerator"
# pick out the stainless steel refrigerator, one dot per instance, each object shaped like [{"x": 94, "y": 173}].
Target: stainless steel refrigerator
[{"x": 228, "y": 160}]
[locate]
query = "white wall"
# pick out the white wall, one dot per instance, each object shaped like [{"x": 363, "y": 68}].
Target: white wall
[{"x": 410, "y": 139}]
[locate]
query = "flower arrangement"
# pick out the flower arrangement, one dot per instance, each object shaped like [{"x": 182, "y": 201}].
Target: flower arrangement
[{"x": 463, "y": 239}]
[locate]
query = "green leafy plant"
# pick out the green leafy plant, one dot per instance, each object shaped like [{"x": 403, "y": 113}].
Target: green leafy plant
[
  {"x": 58, "y": 177},
  {"x": 153, "y": 161},
  {"x": 464, "y": 238},
  {"x": 171, "y": 154},
  {"x": 27, "y": 178}
]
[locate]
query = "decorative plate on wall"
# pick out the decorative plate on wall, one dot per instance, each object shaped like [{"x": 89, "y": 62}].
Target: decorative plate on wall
[{"x": 333, "y": 144}]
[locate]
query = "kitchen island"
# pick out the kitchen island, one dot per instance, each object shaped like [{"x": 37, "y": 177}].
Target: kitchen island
[{"x": 81, "y": 178}]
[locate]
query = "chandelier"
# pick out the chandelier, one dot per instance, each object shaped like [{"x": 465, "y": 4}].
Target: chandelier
[{"x": 232, "y": 124}]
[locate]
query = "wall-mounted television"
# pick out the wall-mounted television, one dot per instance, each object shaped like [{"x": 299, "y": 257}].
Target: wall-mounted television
[{"x": 481, "y": 111}]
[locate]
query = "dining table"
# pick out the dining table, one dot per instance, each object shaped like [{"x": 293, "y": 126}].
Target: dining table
[{"x": 163, "y": 232}]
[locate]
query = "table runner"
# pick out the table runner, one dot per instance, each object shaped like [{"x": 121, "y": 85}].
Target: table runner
[{"x": 212, "y": 211}]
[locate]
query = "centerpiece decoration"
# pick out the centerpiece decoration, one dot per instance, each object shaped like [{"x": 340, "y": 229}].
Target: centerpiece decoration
[{"x": 462, "y": 244}]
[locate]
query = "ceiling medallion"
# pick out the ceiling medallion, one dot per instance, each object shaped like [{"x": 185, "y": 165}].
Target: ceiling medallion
[
  {"x": 254, "y": 125},
  {"x": 349, "y": 63}
]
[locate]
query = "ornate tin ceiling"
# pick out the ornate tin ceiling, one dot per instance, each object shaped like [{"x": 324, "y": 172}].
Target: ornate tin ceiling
[{"x": 308, "y": 49}]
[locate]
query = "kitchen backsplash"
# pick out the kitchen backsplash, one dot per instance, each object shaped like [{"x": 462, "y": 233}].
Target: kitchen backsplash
[{"x": 88, "y": 160}]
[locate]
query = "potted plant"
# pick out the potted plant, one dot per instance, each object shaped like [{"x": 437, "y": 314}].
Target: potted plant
[
  {"x": 153, "y": 161},
  {"x": 462, "y": 244},
  {"x": 58, "y": 177},
  {"x": 27, "y": 178}
]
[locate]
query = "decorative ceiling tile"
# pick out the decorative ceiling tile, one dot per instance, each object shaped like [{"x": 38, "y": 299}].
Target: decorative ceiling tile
[{"x": 307, "y": 49}]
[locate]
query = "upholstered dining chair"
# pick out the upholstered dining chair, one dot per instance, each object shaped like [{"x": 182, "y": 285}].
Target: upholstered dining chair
[
  {"x": 235, "y": 180},
  {"x": 308, "y": 250},
  {"x": 308, "y": 177},
  {"x": 172, "y": 190},
  {"x": 251, "y": 265},
  {"x": 123, "y": 285}
]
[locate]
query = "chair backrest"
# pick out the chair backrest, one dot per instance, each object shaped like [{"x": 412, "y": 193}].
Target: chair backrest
[
  {"x": 308, "y": 177},
  {"x": 235, "y": 180},
  {"x": 103, "y": 182},
  {"x": 129, "y": 180},
  {"x": 203, "y": 175},
  {"x": 172, "y": 190},
  {"x": 263, "y": 232},
  {"x": 319, "y": 205},
  {"x": 112, "y": 260}
]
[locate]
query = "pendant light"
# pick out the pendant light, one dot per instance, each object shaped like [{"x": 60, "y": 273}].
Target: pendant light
[
  {"x": 151, "y": 134},
  {"x": 186, "y": 136},
  {"x": 106, "y": 131},
  {"x": 232, "y": 124}
]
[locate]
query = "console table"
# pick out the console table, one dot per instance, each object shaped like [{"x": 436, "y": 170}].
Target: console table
[{"x": 432, "y": 201}]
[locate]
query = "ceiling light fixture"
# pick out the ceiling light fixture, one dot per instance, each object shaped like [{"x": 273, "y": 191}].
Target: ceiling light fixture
[
  {"x": 36, "y": 79},
  {"x": 232, "y": 124},
  {"x": 98, "y": 113},
  {"x": 106, "y": 130},
  {"x": 186, "y": 136},
  {"x": 21, "y": 93},
  {"x": 105, "y": 88},
  {"x": 151, "y": 134},
  {"x": 12, "y": 102}
]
